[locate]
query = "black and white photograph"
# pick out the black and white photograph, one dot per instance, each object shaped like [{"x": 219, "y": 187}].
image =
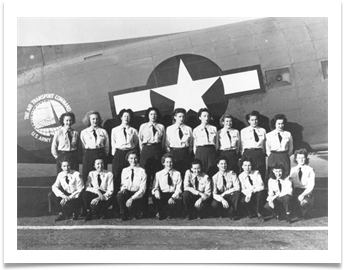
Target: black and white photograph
[{"x": 163, "y": 134}]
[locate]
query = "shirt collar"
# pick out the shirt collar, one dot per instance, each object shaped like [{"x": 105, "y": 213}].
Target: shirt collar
[{"x": 177, "y": 126}]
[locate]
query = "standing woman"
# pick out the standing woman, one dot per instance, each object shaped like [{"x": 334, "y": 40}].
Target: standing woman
[
  {"x": 204, "y": 137},
  {"x": 124, "y": 138},
  {"x": 279, "y": 143},
  {"x": 151, "y": 142},
  {"x": 253, "y": 140},
  {"x": 228, "y": 142},
  {"x": 179, "y": 141},
  {"x": 65, "y": 142},
  {"x": 95, "y": 141}
]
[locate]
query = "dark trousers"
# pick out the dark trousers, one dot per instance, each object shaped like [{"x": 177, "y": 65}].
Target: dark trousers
[
  {"x": 119, "y": 163},
  {"x": 255, "y": 204},
  {"x": 309, "y": 201},
  {"x": 162, "y": 206},
  {"x": 100, "y": 208},
  {"x": 189, "y": 200},
  {"x": 233, "y": 199},
  {"x": 72, "y": 156},
  {"x": 71, "y": 206},
  {"x": 136, "y": 207},
  {"x": 280, "y": 203},
  {"x": 150, "y": 160},
  {"x": 182, "y": 158}
]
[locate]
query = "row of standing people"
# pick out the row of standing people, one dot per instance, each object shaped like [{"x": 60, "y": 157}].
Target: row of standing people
[{"x": 226, "y": 192}]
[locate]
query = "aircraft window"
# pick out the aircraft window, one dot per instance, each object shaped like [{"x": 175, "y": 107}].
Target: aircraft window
[
  {"x": 278, "y": 77},
  {"x": 324, "y": 67}
]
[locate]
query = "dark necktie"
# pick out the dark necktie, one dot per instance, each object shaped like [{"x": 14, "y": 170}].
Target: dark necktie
[
  {"x": 279, "y": 137},
  {"x": 125, "y": 133},
  {"x": 256, "y": 136},
  {"x": 250, "y": 180},
  {"x": 228, "y": 132},
  {"x": 94, "y": 134},
  {"x": 300, "y": 174},
  {"x": 207, "y": 134},
  {"x": 280, "y": 186},
  {"x": 224, "y": 182},
  {"x": 196, "y": 183},
  {"x": 154, "y": 130},
  {"x": 132, "y": 175},
  {"x": 170, "y": 182},
  {"x": 69, "y": 133},
  {"x": 66, "y": 178},
  {"x": 180, "y": 133},
  {"x": 99, "y": 180}
]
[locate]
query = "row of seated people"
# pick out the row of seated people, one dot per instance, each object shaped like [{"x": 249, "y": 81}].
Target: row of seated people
[{"x": 228, "y": 194}]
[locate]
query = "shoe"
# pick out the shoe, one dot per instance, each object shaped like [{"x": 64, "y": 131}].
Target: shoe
[
  {"x": 103, "y": 216},
  {"x": 261, "y": 217},
  {"x": 124, "y": 218},
  {"x": 60, "y": 217},
  {"x": 190, "y": 217},
  {"x": 75, "y": 216},
  {"x": 251, "y": 216},
  {"x": 142, "y": 215},
  {"x": 288, "y": 219},
  {"x": 88, "y": 215}
]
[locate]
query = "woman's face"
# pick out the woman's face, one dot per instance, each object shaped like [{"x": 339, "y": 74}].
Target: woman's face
[
  {"x": 227, "y": 123},
  {"x": 247, "y": 166},
  {"x": 126, "y": 118},
  {"x": 67, "y": 122},
  {"x": 222, "y": 165},
  {"x": 94, "y": 120},
  {"x": 168, "y": 163},
  {"x": 196, "y": 169},
  {"x": 99, "y": 165},
  {"x": 253, "y": 121},
  {"x": 300, "y": 158},
  {"x": 278, "y": 173},
  {"x": 153, "y": 116},
  {"x": 132, "y": 159},
  {"x": 280, "y": 125},
  {"x": 179, "y": 118},
  {"x": 204, "y": 117}
]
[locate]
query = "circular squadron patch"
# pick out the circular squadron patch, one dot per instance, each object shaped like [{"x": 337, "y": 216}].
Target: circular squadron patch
[{"x": 44, "y": 112}]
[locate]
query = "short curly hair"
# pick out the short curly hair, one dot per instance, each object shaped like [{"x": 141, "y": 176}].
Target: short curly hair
[
  {"x": 277, "y": 166},
  {"x": 62, "y": 117},
  {"x": 222, "y": 119},
  {"x": 152, "y": 109},
  {"x": 277, "y": 117},
  {"x": 86, "y": 119},
  {"x": 301, "y": 151},
  {"x": 167, "y": 155},
  {"x": 129, "y": 111},
  {"x": 253, "y": 113},
  {"x": 132, "y": 152}
]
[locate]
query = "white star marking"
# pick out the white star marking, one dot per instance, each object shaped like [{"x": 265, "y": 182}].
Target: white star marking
[{"x": 186, "y": 93}]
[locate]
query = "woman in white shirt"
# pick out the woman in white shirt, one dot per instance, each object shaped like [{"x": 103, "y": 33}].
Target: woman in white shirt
[
  {"x": 179, "y": 141},
  {"x": 279, "y": 143},
  {"x": 228, "y": 142},
  {"x": 204, "y": 137},
  {"x": 253, "y": 140},
  {"x": 65, "y": 142},
  {"x": 124, "y": 138},
  {"x": 95, "y": 142},
  {"x": 303, "y": 181},
  {"x": 151, "y": 142}
]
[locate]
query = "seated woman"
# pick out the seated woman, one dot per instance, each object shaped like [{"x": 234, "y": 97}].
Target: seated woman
[
  {"x": 133, "y": 186},
  {"x": 303, "y": 181},
  {"x": 279, "y": 192},
  {"x": 253, "y": 189},
  {"x": 166, "y": 188},
  {"x": 66, "y": 191},
  {"x": 226, "y": 190},
  {"x": 99, "y": 191},
  {"x": 197, "y": 190}
]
